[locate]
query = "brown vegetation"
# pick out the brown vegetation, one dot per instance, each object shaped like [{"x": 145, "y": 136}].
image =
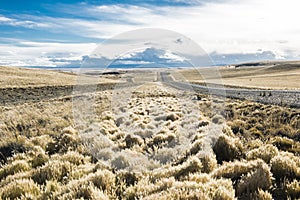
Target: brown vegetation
[{"x": 248, "y": 151}]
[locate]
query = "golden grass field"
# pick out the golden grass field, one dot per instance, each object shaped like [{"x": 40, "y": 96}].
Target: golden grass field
[
  {"x": 247, "y": 150},
  {"x": 23, "y": 77},
  {"x": 273, "y": 75}
]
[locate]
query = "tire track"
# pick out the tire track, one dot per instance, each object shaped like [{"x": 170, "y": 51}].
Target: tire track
[{"x": 290, "y": 98}]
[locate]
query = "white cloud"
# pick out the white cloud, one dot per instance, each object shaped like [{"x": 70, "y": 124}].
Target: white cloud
[
  {"x": 226, "y": 27},
  {"x": 4, "y": 19},
  {"x": 43, "y": 54},
  {"x": 24, "y": 23}
]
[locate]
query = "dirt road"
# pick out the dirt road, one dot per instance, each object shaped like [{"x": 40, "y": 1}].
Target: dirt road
[
  {"x": 289, "y": 98},
  {"x": 19, "y": 95}
]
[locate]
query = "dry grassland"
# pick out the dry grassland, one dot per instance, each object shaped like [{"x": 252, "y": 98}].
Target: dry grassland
[
  {"x": 270, "y": 76},
  {"x": 161, "y": 144}
]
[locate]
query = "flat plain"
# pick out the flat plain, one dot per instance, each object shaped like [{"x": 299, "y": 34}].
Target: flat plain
[
  {"x": 148, "y": 137},
  {"x": 263, "y": 75}
]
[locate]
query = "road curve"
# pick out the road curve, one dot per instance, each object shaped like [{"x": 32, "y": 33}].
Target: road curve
[
  {"x": 18, "y": 95},
  {"x": 290, "y": 98}
]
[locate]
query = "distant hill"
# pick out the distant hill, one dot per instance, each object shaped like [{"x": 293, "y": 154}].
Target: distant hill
[{"x": 272, "y": 65}]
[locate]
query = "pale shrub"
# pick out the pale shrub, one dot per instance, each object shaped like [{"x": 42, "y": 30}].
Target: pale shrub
[
  {"x": 19, "y": 188},
  {"x": 103, "y": 179},
  {"x": 162, "y": 138},
  {"x": 14, "y": 167},
  {"x": 254, "y": 144},
  {"x": 95, "y": 142},
  {"x": 261, "y": 195},
  {"x": 228, "y": 149},
  {"x": 18, "y": 156},
  {"x": 165, "y": 155},
  {"x": 178, "y": 193},
  {"x": 192, "y": 165},
  {"x": 40, "y": 159},
  {"x": 125, "y": 180},
  {"x": 50, "y": 189},
  {"x": 103, "y": 154},
  {"x": 181, "y": 171},
  {"x": 73, "y": 157},
  {"x": 145, "y": 187},
  {"x": 131, "y": 140},
  {"x": 53, "y": 170},
  {"x": 171, "y": 189},
  {"x": 260, "y": 178},
  {"x": 222, "y": 194},
  {"x": 17, "y": 176},
  {"x": 282, "y": 143},
  {"x": 120, "y": 162},
  {"x": 235, "y": 170},
  {"x": 200, "y": 178},
  {"x": 81, "y": 171},
  {"x": 293, "y": 189},
  {"x": 196, "y": 147},
  {"x": 285, "y": 165},
  {"x": 265, "y": 152},
  {"x": 220, "y": 189},
  {"x": 208, "y": 161},
  {"x": 91, "y": 186},
  {"x": 83, "y": 191},
  {"x": 36, "y": 156},
  {"x": 68, "y": 142},
  {"x": 218, "y": 119},
  {"x": 42, "y": 141},
  {"x": 69, "y": 130},
  {"x": 63, "y": 143}
]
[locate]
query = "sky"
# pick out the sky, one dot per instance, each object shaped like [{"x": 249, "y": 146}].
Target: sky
[{"x": 60, "y": 33}]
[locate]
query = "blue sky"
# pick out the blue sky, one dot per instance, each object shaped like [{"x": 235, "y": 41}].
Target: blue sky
[{"x": 59, "y": 33}]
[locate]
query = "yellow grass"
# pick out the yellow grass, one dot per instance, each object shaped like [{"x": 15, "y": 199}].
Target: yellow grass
[
  {"x": 23, "y": 77},
  {"x": 279, "y": 76},
  {"x": 248, "y": 151},
  {"x": 17, "y": 77}
]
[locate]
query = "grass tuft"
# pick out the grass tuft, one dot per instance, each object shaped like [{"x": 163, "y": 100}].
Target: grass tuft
[
  {"x": 13, "y": 168},
  {"x": 228, "y": 149},
  {"x": 266, "y": 153},
  {"x": 285, "y": 166},
  {"x": 20, "y": 189}
]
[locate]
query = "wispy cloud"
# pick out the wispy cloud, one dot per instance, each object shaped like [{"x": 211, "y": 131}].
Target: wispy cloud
[
  {"x": 245, "y": 25},
  {"x": 26, "y": 53},
  {"x": 220, "y": 27},
  {"x": 4, "y": 19},
  {"x": 24, "y": 23}
]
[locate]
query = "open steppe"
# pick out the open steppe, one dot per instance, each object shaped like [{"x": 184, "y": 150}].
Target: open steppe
[
  {"x": 162, "y": 142},
  {"x": 262, "y": 75}
]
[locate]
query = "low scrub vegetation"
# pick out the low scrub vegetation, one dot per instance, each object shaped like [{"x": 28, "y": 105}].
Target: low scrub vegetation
[{"x": 248, "y": 151}]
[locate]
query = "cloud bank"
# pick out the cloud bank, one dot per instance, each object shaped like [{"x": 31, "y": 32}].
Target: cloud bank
[{"x": 229, "y": 31}]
